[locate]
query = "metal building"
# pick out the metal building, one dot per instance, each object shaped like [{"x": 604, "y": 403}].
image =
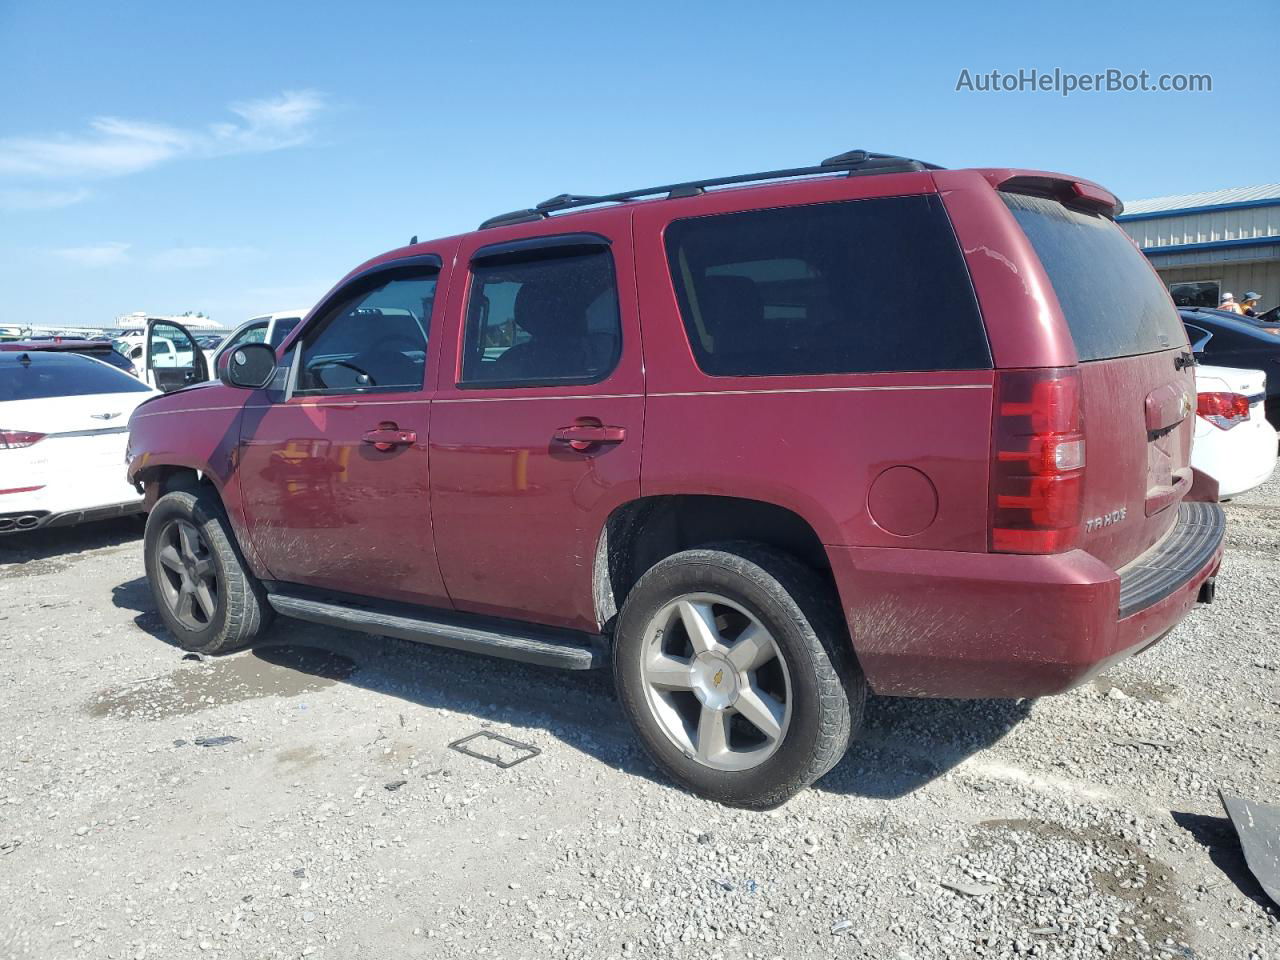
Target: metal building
[{"x": 1206, "y": 244}]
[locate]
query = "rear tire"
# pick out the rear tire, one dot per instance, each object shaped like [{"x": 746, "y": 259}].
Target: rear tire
[
  {"x": 733, "y": 665},
  {"x": 201, "y": 585}
]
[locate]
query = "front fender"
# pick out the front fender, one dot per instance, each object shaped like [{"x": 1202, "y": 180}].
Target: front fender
[{"x": 205, "y": 438}]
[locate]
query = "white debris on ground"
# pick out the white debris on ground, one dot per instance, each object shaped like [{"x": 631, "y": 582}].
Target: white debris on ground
[{"x": 301, "y": 801}]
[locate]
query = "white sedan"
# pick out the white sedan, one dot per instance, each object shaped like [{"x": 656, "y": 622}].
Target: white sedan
[
  {"x": 1233, "y": 442},
  {"x": 64, "y": 422}
]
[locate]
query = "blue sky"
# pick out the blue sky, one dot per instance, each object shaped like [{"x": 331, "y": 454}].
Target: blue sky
[{"x": 238, "y": 158}]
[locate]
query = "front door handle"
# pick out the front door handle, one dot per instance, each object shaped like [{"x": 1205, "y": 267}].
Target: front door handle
[
  {"x": 583, "y": 436},
  {"x": 388, "y": 436}
]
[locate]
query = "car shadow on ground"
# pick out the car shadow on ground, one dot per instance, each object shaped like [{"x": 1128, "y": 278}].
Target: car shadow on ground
[
  {"x": 37, "y": 545},
  {"x": 904, "y": 744}
]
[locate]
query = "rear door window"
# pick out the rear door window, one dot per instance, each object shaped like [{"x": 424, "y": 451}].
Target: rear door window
[
  {"x": 857, "y": 286},
  {"x": 1114, "y": 303},
  {"x": 41, "y": 376},
  {"x": 548, "y": 318}
]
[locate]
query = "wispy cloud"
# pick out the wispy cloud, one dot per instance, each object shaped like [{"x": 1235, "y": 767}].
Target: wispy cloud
[
  {"x": 114, "y": 147},
  {"x": 23, "y": 199},
  {"x": 190, "y": 258},
  {"x": 114, "y": 253},
  {"x": 107, "y": 254}
]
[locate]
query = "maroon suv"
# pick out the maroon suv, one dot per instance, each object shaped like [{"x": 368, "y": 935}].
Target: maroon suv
[{"x": 762, "y": 442}]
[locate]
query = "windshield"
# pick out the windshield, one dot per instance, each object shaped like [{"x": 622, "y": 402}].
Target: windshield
[
  {"x": 1113, "y": 301},
  {"x": 39, "y": 376}
]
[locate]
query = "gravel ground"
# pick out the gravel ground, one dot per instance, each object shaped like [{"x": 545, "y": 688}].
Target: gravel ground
[{"x": 300, "y": 800}]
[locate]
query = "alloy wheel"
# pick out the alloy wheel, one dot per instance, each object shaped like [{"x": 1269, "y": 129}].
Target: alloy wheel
[
  {"x": 188, "y": 575},
  {"x": 716, "y": 682}
]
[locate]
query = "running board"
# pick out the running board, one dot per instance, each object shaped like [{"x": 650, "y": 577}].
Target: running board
[{"x": 529, "y": 643}]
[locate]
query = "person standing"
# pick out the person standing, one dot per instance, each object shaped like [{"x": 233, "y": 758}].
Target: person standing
[
  {"x": 1229, "y": 303},
  {"x": 1249, "y": 305}
]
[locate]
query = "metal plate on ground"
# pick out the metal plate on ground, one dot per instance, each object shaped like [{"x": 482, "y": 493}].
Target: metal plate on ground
[
  {"x": 499, "y": 750},
  {"x": 1258, "y": 826}
]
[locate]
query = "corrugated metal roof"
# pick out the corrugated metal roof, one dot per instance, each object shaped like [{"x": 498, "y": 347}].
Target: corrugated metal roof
[{"x": 1209, "y": 198}]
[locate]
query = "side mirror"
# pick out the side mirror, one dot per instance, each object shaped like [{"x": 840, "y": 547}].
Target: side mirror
[{"x": 249, "y": 367}]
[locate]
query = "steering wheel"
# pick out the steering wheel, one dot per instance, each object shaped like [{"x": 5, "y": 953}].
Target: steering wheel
[{"x": 358, "y": 371}]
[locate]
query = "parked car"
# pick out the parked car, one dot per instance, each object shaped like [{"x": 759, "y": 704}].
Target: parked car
[
  {"x": 63, "y": 424},
  {"x": 165, "y": 362},
  {"x": 210, "y": 342},
  {"x": 97, "y": 349},
  {"x": 1266, "y": 321},
  {"x": 786, "y": 492},
  {"x": 1227, "y": 340},
  {"x": 270, "y": 329},
  {"x": 1234, "y": 443}
]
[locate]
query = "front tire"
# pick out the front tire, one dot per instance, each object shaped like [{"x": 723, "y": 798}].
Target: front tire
[
  {"x": 734, "y": 668},
  {"x": 201, "y": 585}
]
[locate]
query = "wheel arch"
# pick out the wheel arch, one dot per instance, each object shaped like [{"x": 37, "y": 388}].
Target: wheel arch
[
  {"x": 162, "y": 478},
  {"x": 639, "y": 533}
]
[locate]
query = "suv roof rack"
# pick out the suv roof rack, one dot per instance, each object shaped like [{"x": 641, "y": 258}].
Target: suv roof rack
[{"x": 856, "y": 162}]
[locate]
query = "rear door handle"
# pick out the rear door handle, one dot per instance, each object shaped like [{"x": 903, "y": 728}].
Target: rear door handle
[
  {"x": 583, "y": 436},
  {"x": 388, "y": 436}
]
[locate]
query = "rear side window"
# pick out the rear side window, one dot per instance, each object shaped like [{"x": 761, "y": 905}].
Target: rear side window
[
  {"x": 41, "y": 376},
  {"x": 1114, "y": 303},
  {"x": 543, "y": 321},
  {"x": 858, "y": 286}
]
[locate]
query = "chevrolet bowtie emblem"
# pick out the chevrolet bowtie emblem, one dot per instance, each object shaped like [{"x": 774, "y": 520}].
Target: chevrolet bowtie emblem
[{"x": 718, "y": 677}]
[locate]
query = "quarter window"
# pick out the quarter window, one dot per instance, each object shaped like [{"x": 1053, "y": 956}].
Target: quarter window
[
  {"x": 851, "y": 287},
  {"x": 374, "y": 340},
  {"x": 544, "y": 321}
]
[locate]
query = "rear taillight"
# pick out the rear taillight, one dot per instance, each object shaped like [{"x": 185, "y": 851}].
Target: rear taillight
[
  {"x": 1037, "y": 470},
  {"x": 12, "y": 439},
  {"x": 1223, "y": 410}
]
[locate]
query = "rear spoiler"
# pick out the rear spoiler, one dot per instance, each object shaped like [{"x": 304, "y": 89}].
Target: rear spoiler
[{"x": 1068, "y": 191}]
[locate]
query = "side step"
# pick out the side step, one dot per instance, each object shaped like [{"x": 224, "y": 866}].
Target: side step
[{"x": 529, "y": 643}]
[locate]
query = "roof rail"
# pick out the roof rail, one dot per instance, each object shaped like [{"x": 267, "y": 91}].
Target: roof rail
[{"x": 856, "y": 162}]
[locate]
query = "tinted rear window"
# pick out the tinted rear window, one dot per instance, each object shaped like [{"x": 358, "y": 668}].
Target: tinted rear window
[
  {"x": 1114, "y": 303},
  {"x": 60, "y": 375},
  {"x": 852, "y": 287},
  {"x": 108, "y": 356}
]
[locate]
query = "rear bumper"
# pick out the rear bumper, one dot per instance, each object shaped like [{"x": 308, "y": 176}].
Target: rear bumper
[
  {"x": 932, "y": 623},
  {"x": 23, "y": 521}
]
